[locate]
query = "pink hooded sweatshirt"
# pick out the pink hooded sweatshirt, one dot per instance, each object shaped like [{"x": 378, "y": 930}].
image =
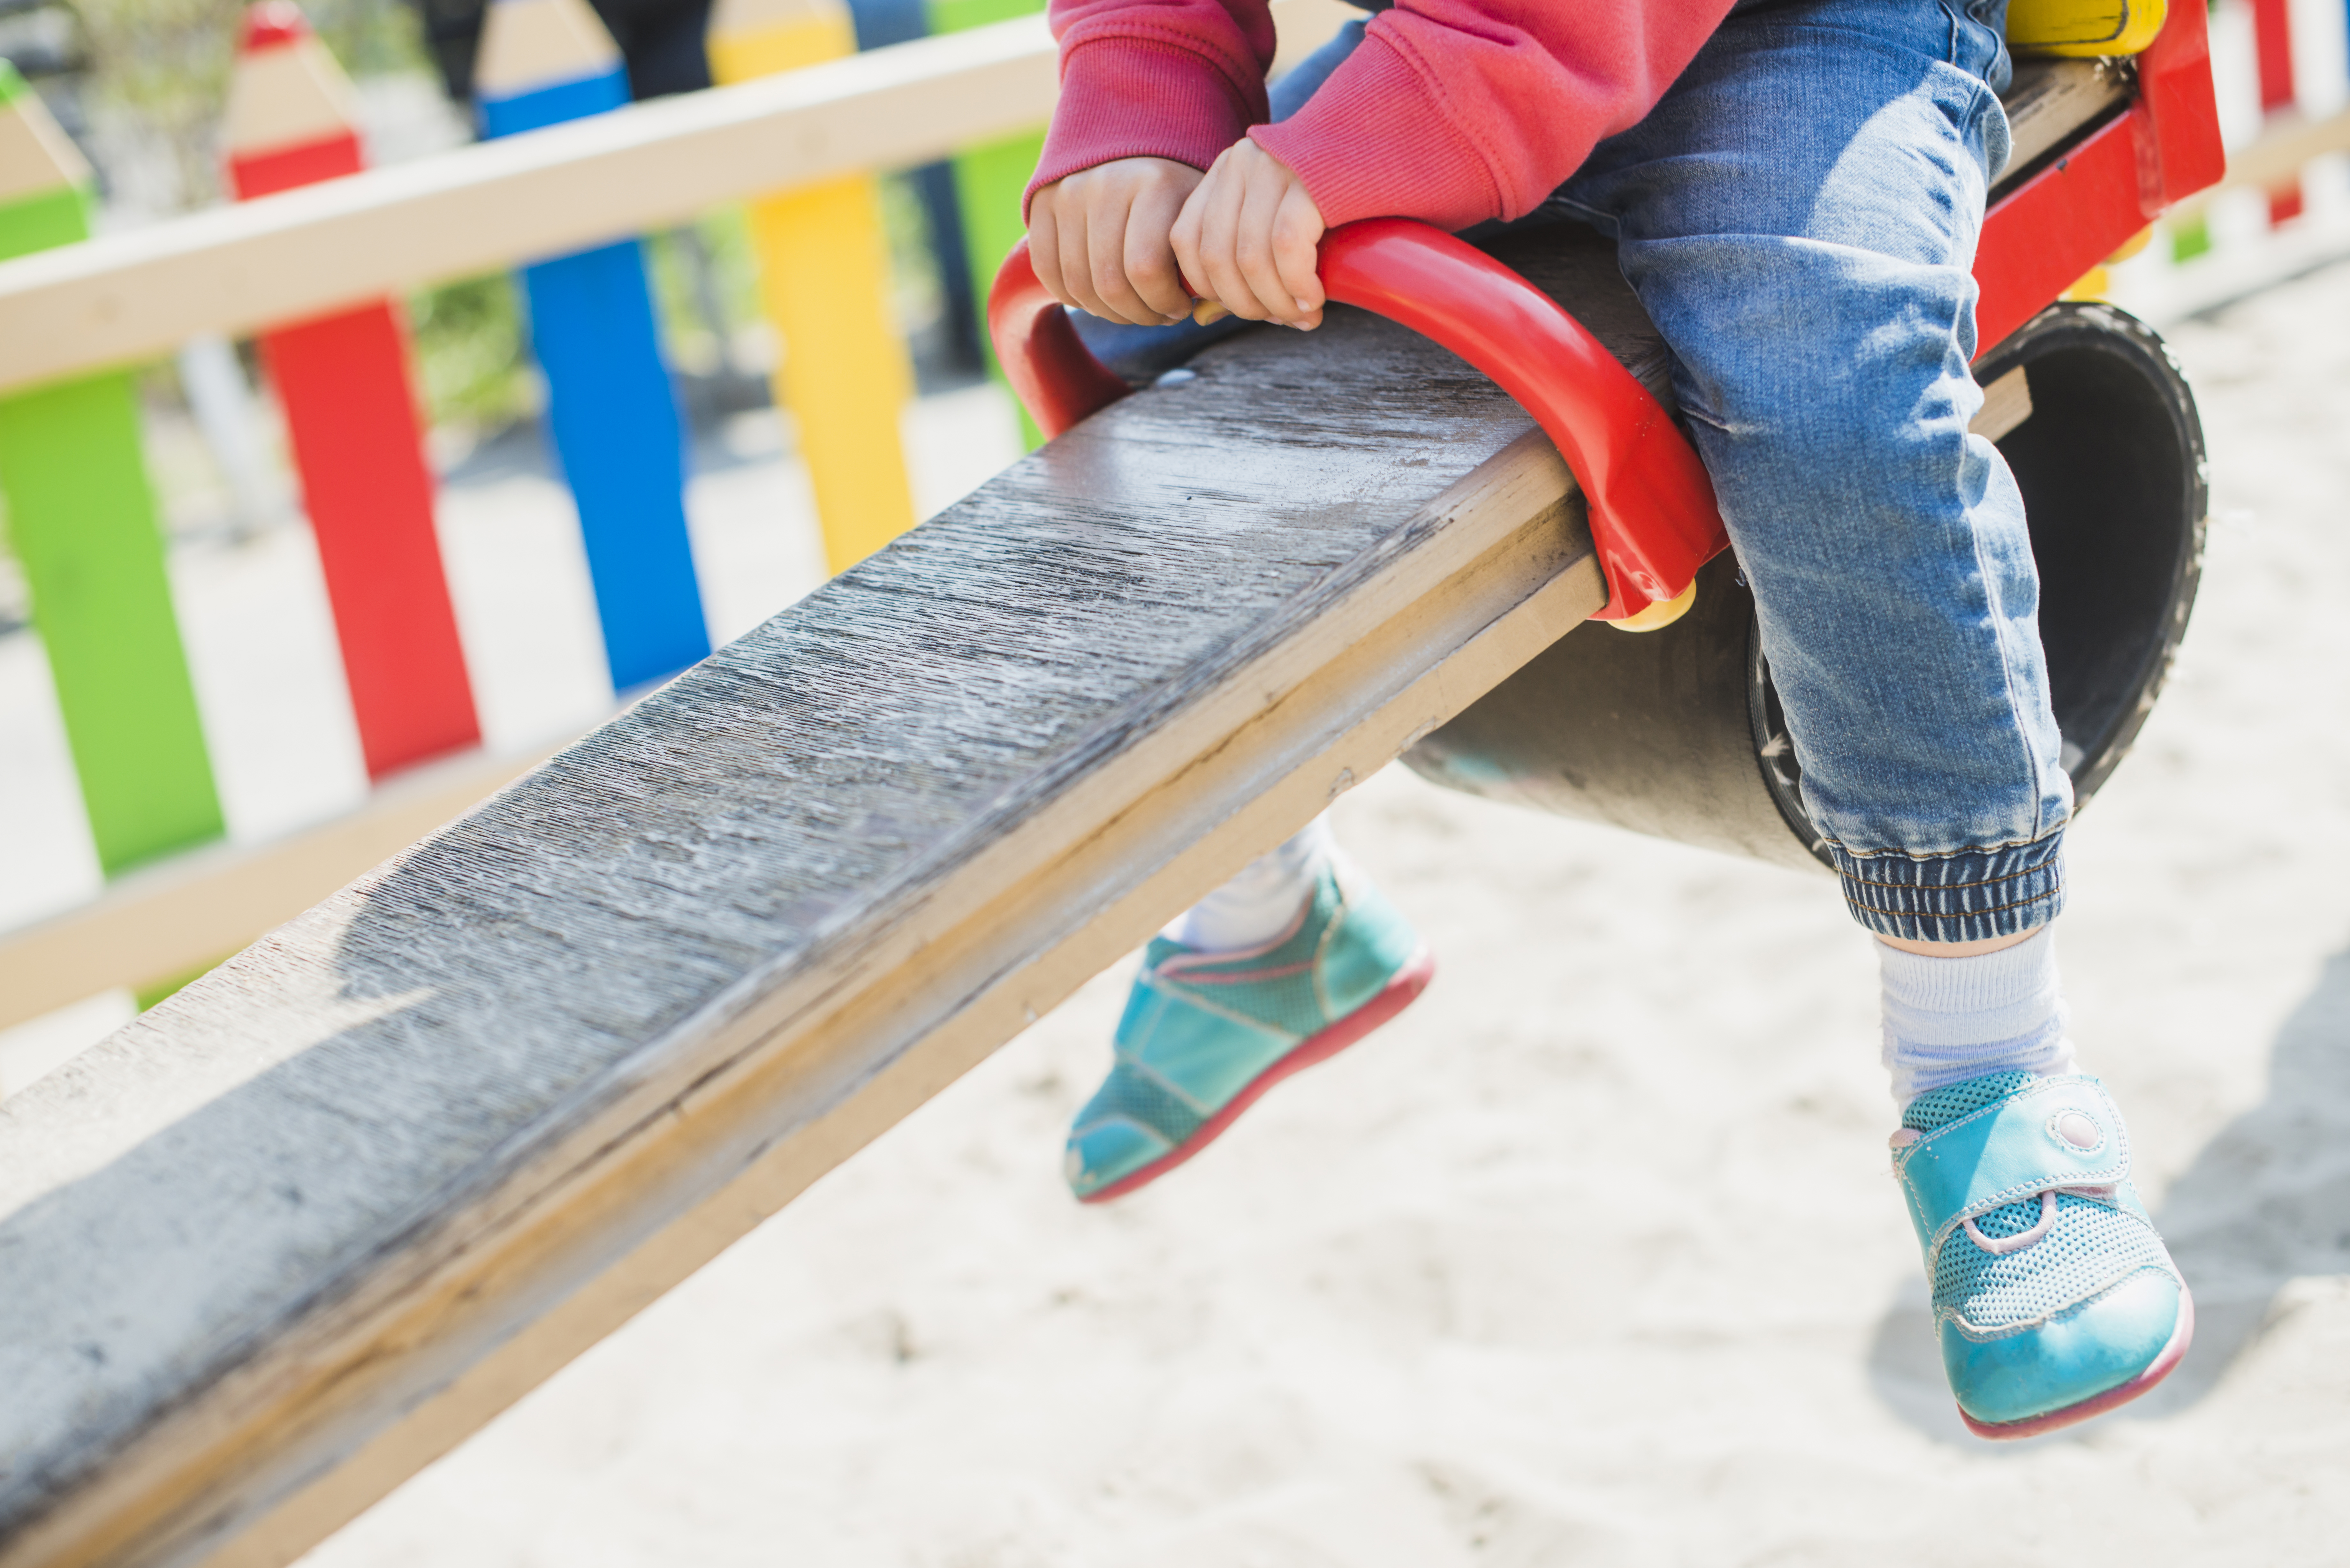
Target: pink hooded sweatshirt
[{"x": 1452, "y": 112}]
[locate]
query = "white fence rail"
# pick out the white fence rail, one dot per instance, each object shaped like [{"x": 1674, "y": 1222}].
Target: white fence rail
[{"x": 140, "y": 295}]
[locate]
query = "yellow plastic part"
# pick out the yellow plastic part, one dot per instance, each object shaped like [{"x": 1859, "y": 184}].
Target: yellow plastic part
[
  {"x": 2083, "y": 27},
  {"x": 2094, "y": 284},
  {"x": 2132, "y": 245},
  {"x": 824, "y": 272},
  {"x": 1661, "y": 614}
]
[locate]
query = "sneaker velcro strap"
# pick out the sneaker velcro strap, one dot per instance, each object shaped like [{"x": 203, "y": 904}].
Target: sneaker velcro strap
[{"x": 2054, "y": 1132}]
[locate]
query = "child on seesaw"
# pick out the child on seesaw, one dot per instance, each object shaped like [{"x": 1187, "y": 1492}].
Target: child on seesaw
[{"x": 1795, "y": 188}]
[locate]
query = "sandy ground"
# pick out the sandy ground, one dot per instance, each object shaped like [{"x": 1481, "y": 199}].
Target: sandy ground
[{"x": 1590, "y": 1258}]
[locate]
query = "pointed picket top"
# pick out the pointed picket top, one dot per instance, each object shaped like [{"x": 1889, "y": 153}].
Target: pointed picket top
[
  {"x": 528, "y": 45},
  {"x": 268, "y": 23},
  {"x": 759, "y": 37},
  {"x": 37, "y": 157},
  {"x": 287, "y": 90}
]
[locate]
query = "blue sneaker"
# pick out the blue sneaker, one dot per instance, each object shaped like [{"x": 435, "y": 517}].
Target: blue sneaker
[
  {"x": 2054, "y": 1300},
  {"x": 1205, "y": 1035}
]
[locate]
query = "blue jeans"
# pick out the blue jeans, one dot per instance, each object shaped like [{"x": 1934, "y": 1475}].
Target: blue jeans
[{"x": 1799, "y": 215}]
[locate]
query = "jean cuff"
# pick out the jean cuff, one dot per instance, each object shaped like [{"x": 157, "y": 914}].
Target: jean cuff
[{"x": 1963, "y": 897}]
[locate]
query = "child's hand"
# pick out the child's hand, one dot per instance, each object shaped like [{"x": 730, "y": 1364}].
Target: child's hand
[
  {"x": 1246, "y": 239},
  {"x": 1098, "y": 240}
]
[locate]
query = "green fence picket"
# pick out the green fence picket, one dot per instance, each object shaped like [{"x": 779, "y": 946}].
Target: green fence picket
[{"x": 81, "y": 518}]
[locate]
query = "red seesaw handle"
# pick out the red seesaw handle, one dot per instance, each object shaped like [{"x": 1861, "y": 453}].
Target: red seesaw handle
[{"x": 1653, "y": 517}]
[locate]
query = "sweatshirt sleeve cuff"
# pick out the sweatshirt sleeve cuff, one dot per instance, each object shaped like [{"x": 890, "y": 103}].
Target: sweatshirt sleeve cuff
[
  {"x": 1375, "y": 142},
  {"x": 1196, "y": 109}
]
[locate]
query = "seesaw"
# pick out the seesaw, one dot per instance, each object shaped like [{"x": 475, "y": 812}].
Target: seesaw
[
  {"x": 302, "y": 1228},
  {"x": 1680, "y": 734}
]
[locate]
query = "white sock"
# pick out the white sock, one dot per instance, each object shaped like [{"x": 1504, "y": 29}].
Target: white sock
[
  {"x": 1257, "y": 905},
  {"x": 1951, "y": 1019}
]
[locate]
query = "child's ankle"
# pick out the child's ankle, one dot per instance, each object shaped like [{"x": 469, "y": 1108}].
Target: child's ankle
[
  {"x": 1948, "y": 1018},
  {"x": 1261, "y": 902}
]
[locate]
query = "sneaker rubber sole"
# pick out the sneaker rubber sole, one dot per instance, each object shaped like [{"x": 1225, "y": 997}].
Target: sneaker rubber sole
[
  {"x": 2098, "y": 1404},
  {"x": 1404, "y": 985}
]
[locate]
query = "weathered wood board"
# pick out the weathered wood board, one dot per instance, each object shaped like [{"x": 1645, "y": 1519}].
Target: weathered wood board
[
  {"x": 275, "y": 1245},
  {"x": 2049, "y": 100}
]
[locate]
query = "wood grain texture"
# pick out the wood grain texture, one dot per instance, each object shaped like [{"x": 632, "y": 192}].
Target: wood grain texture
[
  {"x": 2049, "y": 100},
  {"x": 306, "y": 1225}
]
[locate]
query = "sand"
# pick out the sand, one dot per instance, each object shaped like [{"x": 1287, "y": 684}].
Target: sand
[{"x": 1591, "y": 1257}]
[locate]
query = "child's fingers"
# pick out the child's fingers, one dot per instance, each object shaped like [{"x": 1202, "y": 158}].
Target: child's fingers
[
  {"x": 1184, "y": 239},
  {"x": 1201, "y": 239},
  {"x": 1106, "y": 234},
  {"x": 1045, "y": 246},
  {"x": 1296, "y": 232},
  {"x": 1219, "y": 271},
  {"x": 1076, "y": 266},
  {"x": 1151, "y": 268},
  {"x": 1150, "y": 258},
  {"x": 1099, "y": 240},
  {"x": 1253, "y": 245}
]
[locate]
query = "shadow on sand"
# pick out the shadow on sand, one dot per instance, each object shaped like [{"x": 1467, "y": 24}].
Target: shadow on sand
[{"x": 2266, "y": 1201}]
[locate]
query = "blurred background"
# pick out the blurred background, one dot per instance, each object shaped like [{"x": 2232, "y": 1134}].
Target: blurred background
[{"x": 142, "y": 85}]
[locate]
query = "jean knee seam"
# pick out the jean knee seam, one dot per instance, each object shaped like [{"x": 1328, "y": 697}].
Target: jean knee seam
[
  {"x": 1951, "y": 33},
  {"x": 1985, "y": 102}
]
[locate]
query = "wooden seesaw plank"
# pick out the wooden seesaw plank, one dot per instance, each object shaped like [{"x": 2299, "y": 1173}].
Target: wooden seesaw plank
[
  {"x": 2048, "y": 100},
  {"x": 298, "y": 1231}
]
